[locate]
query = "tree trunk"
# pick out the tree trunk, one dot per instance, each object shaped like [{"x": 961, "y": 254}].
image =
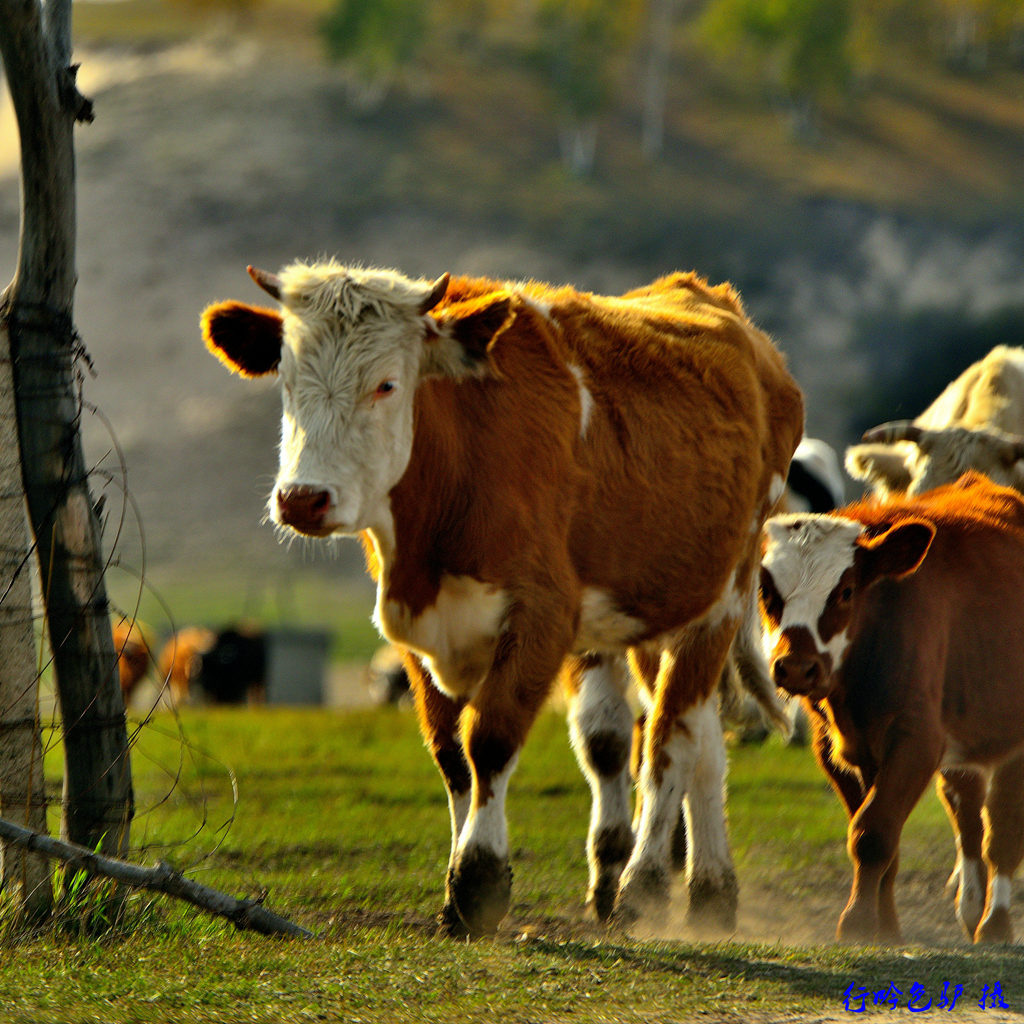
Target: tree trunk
[
  {"x": 660, "y": 16},
  {"x": 37, "y": 308},
  {"x": 26, "y": 876}
]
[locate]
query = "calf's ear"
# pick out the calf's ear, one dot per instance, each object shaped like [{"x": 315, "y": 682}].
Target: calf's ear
[
  {"x": 459, "y": 339},
  {"x": 246, "y": 339},
  {"x": 897, "y": 552}
]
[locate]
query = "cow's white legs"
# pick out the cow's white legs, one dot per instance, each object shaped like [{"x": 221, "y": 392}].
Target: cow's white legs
[
  {"x": 969, "y": 881},
  {"x": 646, "y": 880},
  {"x": 601, "y": 726},
  {"x": 710, "y": 872},
  {"x": 683, "y": 756},
  {"x": 962, "y": 792},
  {"x": 692, "y": 764},
  {"x": 493, "y": 728}
]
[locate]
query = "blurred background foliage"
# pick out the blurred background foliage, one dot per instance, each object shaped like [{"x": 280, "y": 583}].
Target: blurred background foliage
[{"x": 855, "y": 167}]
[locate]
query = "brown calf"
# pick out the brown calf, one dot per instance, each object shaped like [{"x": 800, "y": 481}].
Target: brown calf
[{"x": 898, "y": 623}]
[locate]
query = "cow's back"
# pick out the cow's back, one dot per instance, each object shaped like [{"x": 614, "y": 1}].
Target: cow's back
[
  {"x": 988, "y": 394},
  {"x": 694, "y": 420}
]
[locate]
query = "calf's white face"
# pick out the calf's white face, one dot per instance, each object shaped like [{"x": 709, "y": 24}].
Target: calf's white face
[
  {"x": 806, "y": 568},
  {"x": 814, "y": 572}
]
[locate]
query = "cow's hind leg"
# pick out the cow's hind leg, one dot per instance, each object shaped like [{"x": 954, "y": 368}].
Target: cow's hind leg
[
  {"x": 711, "y": 878},
  {"x": 962, "y": 792},
  {"x": 601, "y": 726},
  {"x": 1003, "y": 848},
  {"x": 683, "y": 730}
]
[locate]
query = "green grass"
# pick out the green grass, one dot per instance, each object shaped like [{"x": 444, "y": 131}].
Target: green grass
[{"x": 341, "y": 820}]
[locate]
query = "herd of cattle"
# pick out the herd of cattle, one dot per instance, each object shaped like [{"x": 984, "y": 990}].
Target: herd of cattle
[
  {"x": 557, "y": 486},
  {"x": 224, "y": 666}
]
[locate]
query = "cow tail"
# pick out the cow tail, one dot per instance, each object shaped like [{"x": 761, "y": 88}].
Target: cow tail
[{"x": 746, "y": 674}]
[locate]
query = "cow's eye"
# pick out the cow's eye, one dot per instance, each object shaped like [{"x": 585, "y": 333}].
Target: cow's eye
[{"x": 385, "y": 388}]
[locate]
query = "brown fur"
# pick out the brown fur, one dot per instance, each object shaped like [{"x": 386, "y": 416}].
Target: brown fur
[
  {"x": 133, "y": 656},
  {"x": 655, "y": 504},
  {"x": 933, "y": 670},
  {"x": 179, "y": 661}
]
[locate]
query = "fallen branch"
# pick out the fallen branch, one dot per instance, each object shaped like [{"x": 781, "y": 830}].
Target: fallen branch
[{"x": 246, "y": 915}]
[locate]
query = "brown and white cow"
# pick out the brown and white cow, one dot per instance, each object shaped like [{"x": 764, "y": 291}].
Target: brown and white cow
[
  {"x": 898, "y": 623},
  {"x": 539, "y": 476},
  {"x": 975, "y": 423},
  {"x": 181, "y": 660},
  {"x": 134, "y": 656}
]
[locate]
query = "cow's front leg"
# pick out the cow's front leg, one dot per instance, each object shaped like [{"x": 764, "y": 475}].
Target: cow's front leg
[
  {"x": 601, "y": 727},
  {"x": 682, "y": 731},
  {"x": 874, "y": 835},
  {"x": 439, "y": 723},
  {"x": 494, "y": 728},
  {"x": 962, "y": 792}
]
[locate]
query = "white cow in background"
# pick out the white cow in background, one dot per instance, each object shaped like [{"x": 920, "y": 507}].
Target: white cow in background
[{"x": 976, "y": 423}]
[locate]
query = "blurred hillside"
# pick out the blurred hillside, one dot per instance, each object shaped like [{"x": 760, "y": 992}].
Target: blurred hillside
[{"x": 881, "y": 248}]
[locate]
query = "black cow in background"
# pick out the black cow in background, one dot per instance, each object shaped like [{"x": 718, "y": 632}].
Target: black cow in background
[{"x": 234, "y": 669}]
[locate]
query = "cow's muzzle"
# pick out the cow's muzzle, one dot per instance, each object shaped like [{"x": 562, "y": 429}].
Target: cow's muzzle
[
  {"x": 798, "y": 674},
  {"x": 798, "y": 667},
  {"x": 304, "y": 509}
]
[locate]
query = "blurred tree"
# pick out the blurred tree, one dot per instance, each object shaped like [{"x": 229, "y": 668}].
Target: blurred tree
[
  {"x": 802, "y": 46},
  {"x": 234, "y": 11},
  {"x": 578, "y": 53},
  {"x": 378, "y": 38},
  {"x": 658, "y": 49}
]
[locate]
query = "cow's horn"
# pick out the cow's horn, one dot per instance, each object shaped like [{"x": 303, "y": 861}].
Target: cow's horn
[
  {"x": 270, "y": 283},
  {"x": 889, "y": 433},
  {"x": 437, "y": 290}
]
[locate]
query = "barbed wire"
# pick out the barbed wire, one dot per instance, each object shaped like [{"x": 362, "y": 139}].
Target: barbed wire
[{"x": 117, "y": 517}]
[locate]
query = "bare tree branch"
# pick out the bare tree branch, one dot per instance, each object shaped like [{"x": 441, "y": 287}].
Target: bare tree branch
[{"x": 246, "y": 915}]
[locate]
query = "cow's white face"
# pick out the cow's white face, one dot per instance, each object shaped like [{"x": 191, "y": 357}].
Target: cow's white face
[
  {"x": 349, "y": 369},
  {"x": 814, "y": 574},
  {"x": 350, "y": 348}
]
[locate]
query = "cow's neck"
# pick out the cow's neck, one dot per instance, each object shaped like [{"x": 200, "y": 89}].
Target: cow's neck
[{"x": 416, "y": 542}]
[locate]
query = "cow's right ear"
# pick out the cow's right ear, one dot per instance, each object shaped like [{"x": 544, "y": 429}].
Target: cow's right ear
[
  {"x": 459, "y": 338},
  {"x": 246, "y": 339},
  {"x": 897, "y": 552}
]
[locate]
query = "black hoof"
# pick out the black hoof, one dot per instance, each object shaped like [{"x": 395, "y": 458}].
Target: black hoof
[
  {"x": 713, "y": 905},
  {"x": 479, "y": 892},
  {"x": 644, "y": 896}
]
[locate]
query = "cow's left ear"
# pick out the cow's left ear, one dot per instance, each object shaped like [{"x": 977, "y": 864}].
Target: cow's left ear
[
  {"x": 897, "y": 552},
  {"x": 246, "y": 339},
  {"x": 459, "y": 338}
]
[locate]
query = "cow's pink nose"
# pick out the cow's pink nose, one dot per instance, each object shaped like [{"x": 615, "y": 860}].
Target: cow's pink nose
[
  {"x": 303, "y": 508},
  {"x": 798, "y": 674}
]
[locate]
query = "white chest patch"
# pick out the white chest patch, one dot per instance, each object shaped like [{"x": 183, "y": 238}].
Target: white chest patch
[{"x": 455, "y": 636}]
